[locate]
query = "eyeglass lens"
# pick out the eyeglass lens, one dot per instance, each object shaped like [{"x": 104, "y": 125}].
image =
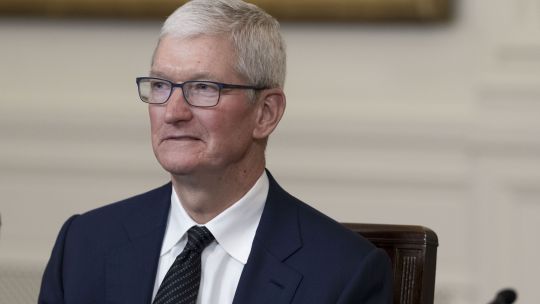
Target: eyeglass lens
[{"x": 196, "y": 93}]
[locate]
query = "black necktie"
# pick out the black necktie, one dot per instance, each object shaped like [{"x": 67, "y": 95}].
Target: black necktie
[{"x": 181, "y": 283}]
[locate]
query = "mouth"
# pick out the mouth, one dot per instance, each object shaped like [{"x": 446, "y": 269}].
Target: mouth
[{"x": 179, "y": 138}]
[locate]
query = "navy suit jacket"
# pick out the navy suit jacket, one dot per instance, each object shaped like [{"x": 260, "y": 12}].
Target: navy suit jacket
[{"x": 110, "y": 255}]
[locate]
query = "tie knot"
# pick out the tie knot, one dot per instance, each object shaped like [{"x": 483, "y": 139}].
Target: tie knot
[{"x": 198, "y": 238}]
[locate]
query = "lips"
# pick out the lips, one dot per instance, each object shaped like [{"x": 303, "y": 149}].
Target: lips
[{"x": 179, "y": 138}]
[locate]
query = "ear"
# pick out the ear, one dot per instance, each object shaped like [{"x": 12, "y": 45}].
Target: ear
[{"x": 270, "y": 109}]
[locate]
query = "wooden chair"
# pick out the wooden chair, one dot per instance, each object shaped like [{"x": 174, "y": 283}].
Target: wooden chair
[{"x": 413, "y": 251}]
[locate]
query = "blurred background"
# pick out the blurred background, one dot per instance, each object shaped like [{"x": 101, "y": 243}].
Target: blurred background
[{"x": 424, "y": 122}]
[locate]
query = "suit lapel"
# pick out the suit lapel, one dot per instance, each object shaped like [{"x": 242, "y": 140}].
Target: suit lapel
[
  {"x": 266, "y": 277},
  {"x": 266, "y": 280},
  {"x": 130, "y": 270}
]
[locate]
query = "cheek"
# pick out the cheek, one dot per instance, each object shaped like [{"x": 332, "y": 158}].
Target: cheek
[
  {"x": 155, "y": 126},
  {"x": 235, "y": 129},
  {"x": 155, "y": 118}
]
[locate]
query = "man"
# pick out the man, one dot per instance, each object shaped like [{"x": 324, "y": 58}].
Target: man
[{"x": 223, "y": 231}]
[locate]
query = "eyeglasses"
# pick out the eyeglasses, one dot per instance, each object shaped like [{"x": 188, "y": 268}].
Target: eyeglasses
[{"x": 196, "y": 93}]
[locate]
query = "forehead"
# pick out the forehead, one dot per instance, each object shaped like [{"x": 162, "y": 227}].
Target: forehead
[{"x": 182, "y": 59}]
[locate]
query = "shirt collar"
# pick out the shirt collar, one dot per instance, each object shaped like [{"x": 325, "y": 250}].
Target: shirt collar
[
  {"x": 178, "y": 223},
  {"x": 234, "y": 228}
]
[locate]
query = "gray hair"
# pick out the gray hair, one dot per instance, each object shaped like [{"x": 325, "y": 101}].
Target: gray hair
[{"x": 254, "y": 34}]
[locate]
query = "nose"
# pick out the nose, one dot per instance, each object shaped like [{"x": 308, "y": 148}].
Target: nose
[{"x": 177, "y": 108}]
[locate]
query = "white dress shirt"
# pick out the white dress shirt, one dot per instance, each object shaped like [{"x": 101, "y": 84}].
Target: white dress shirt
[{"x": 224, "y": 259}]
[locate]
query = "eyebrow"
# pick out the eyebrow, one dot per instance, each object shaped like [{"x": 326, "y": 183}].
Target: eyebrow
[
  {"x": 158, "y": 74},
  {"x": 194, "y": 76}
]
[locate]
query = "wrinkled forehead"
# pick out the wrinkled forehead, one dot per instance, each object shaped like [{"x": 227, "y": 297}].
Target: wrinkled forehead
[
  {"x": 200, "y": 57},
  {"x": 222, "y": 42}
]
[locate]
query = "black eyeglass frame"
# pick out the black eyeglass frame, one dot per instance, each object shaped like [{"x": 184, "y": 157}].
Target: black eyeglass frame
[{"x": 181, "y": 85}]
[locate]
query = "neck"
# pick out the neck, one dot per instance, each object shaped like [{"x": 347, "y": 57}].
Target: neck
[{"x": 206, "y": 195}]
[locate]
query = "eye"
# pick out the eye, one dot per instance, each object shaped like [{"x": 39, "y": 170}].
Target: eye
[
  {"x": 202, "y": 86},
  {"x": 159, "y": 85}
]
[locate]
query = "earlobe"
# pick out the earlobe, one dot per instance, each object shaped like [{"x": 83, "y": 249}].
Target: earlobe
[{"x": 271, "y": 107}]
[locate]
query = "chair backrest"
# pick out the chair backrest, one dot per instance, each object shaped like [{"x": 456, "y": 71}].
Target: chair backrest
[{"x": 413, "y": 251}]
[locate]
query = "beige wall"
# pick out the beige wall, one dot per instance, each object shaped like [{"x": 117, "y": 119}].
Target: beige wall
[{"x": 434, "y": 125}]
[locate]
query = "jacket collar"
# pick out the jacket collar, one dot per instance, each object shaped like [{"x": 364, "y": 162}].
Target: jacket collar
[
  {"x": 148, "y": 212},
  {"x": 267, "y": 278},
  {"x": 131, "y": 268}
]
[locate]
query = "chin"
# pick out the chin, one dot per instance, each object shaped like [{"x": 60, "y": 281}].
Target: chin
[
  {"x": 176, "y": 165},
  {"x": 178, "y": 169},
  {"x": 176, "y": 162}
]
